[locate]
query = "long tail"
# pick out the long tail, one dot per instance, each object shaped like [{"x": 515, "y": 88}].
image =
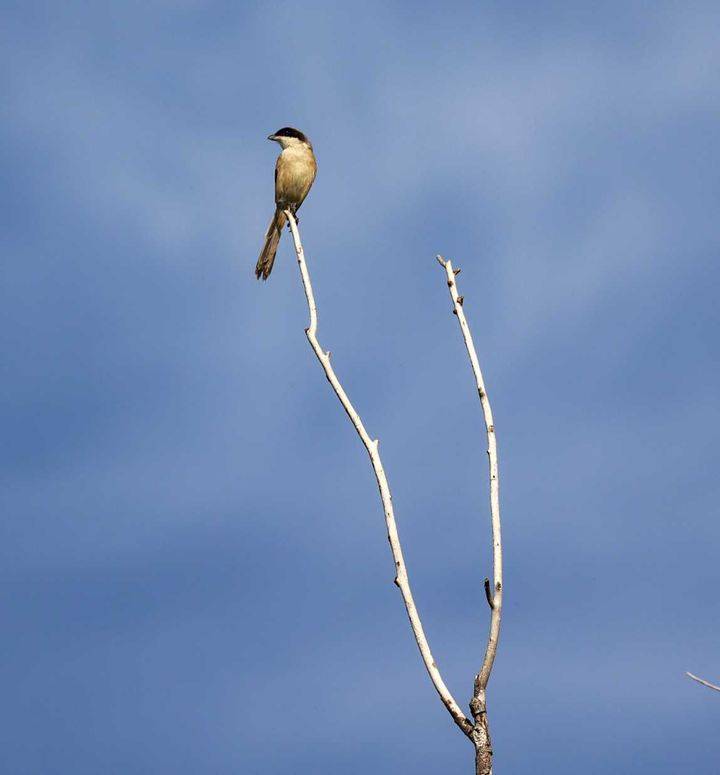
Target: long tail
[{"x": 272, "y": 238}]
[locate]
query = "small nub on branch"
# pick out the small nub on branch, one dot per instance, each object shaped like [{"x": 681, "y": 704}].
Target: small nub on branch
[{"x": 488, "y": 594}]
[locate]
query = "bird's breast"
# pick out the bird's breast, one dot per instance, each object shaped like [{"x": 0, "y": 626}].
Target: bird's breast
[{"x": 296, "y": 169}]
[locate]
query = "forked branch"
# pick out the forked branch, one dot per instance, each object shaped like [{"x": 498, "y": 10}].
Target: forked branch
[
  {"x": 371, "y": 445},
  {"x": 477, "y": 731}
]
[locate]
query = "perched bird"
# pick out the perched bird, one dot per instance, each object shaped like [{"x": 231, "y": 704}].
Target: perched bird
[{"x": 294, "y": 174}]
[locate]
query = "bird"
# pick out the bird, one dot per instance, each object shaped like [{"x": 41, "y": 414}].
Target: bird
[{"x": 295, "y": 172}]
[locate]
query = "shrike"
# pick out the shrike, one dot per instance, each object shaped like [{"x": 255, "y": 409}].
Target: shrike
[{"x": 294, "y": 174}]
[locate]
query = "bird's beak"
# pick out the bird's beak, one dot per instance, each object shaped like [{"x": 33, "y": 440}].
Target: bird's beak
[{"x": 272, "y": 137}]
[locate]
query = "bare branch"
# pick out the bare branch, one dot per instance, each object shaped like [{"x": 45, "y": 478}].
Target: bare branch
[
  {"x": 703, "y": 682},
  {"x": 481, "y": 733},
  {"x": 401, "y": 578}
]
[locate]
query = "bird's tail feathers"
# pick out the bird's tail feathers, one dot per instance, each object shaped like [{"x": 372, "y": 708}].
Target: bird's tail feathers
[{"x": 272, "y": 238}]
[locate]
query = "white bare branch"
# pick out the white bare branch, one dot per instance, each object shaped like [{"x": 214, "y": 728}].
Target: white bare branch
[
  {"x": 703, "y": 682},
  {"x": 371, "y": 445},
  {"x": 481, "y": 734}
]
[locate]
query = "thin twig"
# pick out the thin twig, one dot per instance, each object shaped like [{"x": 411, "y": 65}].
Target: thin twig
[
  {"x": 703, "y": 682},
  {"x": 481, "y": 734},
  {"x": 371, "y": 445},
  {"x": 489, "y": 594}
]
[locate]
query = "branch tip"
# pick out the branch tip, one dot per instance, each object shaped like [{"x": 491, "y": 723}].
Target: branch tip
[
  {"x": 703, "y": 682},
  {"x": 457, "y": 271},
  {"x": 441, "y": 260}
]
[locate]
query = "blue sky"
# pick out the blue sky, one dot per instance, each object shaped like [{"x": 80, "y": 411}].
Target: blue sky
[{"x": 195, "y": 573}]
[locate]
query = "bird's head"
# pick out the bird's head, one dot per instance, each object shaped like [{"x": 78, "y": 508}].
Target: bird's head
[{"x": 287, "y": 137}]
